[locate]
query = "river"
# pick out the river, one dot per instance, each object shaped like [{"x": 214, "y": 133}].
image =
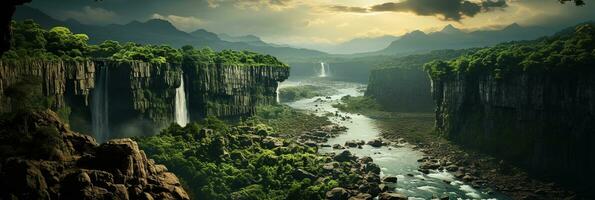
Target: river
[{"x": 399, "y": 161}]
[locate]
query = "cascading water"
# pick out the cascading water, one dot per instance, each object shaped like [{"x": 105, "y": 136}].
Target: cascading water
[
  {"x": 181, "y": 111},
  {"x": 322, "y": 70},
  {"x": 99, "y": 109},
  {"x": 277, "y": 93}
]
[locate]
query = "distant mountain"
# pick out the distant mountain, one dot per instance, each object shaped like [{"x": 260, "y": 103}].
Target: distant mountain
[
  {"x": 452, "y": 38},
  {"x": 157, "y": 31},
  {"x": 356, "y": 45}
]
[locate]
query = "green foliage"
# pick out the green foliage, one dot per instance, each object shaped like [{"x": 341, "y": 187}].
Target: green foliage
[
  {"x": 357, "y": 104},
  {"x": 193, "y": 57},
  {"x": 285, "y": 120},
  {"x": 567, "y": 52},
  {"x": 31, "y": 40},
  {"x": 295, "y": 93},
  {"x": 218, "y": 161},
  {"x": 26, "y": 95},
  {"x": 418, "y": 60}
]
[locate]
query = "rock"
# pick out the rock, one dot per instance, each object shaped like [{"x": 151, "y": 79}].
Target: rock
[
  {"x": 300, "y": 174},
  {"x": 468, "y": 178},
  {"x": 390, "y": 179},
  {"x": 376, "y": 143},
  {"x": 271, "y": 142},
  {"x": 351, "y": 143},
  {"x": 337, "y": 193},
  {"x": 371, "y": 167},
  {"x": 117, "y": 169},
  {"x": 392, "y": 196},
  {"x": 365, "y": 160},
  {"x": 362, "y": 196},
  {"x": 452, "y": 168},
  {"x": 345, "y": 156},
  {"x": 330, "y": 166},
  {"x": 338, "y": 146}
]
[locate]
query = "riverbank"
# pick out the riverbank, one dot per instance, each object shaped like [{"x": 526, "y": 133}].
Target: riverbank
[{"x": 477, "y": 169}]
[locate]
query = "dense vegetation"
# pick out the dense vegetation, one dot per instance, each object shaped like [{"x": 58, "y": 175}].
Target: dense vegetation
[
  {"x": 31, "y": 40},
  {"x": 218, "y": 161},
  {"x": 357, "y": 104},
  {"x": 286, "y": 121},
  {"x": 418, "y": 60},
  {"x": 570, "y": 51},
  {"x": 295, "y": 93}
]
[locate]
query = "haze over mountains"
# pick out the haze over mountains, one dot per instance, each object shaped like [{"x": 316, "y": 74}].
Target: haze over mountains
[{"x": 157, "y": 31}]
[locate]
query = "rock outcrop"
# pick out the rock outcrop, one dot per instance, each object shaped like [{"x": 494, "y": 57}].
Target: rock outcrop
[
  {"x": 542, "y": 121},
  {"x": 401, "y": 90},
  {"x": 42, "y": 159},
  {"x": 61, "y": 81},
  {"x": 230, "y": 91}
]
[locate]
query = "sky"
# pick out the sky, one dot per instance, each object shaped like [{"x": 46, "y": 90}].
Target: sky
[{"x": 310, "y": 22}]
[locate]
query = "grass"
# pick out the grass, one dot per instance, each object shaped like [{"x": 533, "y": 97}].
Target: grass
[
  {"x": 287, "y": 121},
  {"x": 295, "y": 93}
]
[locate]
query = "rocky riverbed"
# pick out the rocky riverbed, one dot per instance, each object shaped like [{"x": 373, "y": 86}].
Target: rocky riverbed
[{"x": 397, "y": 161}]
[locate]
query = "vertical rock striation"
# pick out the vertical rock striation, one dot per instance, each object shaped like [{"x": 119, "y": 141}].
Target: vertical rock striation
[
  {"x": 542, "y": 121},
  {"x": 230, "y": 91},
  {"x": 61, "y": 81},
  {"x": 141, "y": 96}
]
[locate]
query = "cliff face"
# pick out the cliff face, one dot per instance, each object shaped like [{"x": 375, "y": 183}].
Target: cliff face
[
  {"x": 60, "y": 81},
  {"x": 42, "y": 159},
  {"x": 137, "y": 98},
  {"x": 140, "y": 96},
  {"x": 401, "y": 90},
  {"x": 544, "y": 122},
  {"x": 231, "y": 91}
]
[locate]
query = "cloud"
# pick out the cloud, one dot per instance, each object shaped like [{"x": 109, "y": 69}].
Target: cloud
[
  {"x": 180, "y": 22},
  {"x": 348, "y": 9},
  {"x": 91, "y": 15},
  {"x": 448, "y": 10},
  {"x": 276, "y": 5}
]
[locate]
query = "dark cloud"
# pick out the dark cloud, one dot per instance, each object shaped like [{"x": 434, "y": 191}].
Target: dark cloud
[
  {"x": 348, "y": 9},
  {"x": 451, "y": 10}
]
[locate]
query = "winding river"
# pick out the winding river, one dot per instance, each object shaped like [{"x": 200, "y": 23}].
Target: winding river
[{"x": 399, "y": 161}]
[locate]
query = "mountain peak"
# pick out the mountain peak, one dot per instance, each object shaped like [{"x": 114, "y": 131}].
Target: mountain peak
[{"x": 450, "y": 29}]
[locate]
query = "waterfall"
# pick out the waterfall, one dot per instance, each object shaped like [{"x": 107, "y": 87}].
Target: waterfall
[
  {"x": 99, "y": 109},
  {"x": 322, "y": 70},
  {"x": 181, "y": 112},
  {"x": 277, "y": 92}
]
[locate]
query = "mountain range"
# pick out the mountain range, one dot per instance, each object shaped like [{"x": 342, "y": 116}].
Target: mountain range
[
  {"x": 157, "y": 31},
  {"x": 452, "y": 38}
]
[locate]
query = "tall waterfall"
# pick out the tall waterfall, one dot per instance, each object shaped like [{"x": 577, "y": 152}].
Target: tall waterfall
[
  {"x": 99, "y": 108},
  {"x": 322, "y": 70},
  {"x": 181, "y": 112},
  {"x": 277, "y": 92}
]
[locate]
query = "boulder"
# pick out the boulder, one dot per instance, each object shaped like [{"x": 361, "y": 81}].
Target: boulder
[
  {"x": 375, "y": 143},
  {"x": 337, "y": 193},
  {"x": 365, "y": 160},
  {"x": 392, "y": 196},
  {"x": 361, "y": 196},
  {"x": 390, "y": 179},
  {"x": 345, "y": 156},
  {"x": 371, "y": 167}
]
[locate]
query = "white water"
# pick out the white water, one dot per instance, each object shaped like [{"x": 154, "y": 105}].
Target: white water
[
  {"x": 100, "y": 106},
  {"x": 322, "y": 70},
  {"x": 399, "y": 161},
  {"x": 277, "y": 93},
  {"x": 181, "y": 112}
]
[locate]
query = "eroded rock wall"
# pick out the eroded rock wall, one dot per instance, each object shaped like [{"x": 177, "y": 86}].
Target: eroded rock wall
[
  {"x": 544, "y": 122},
  {"x": 61, "y": 81},
  {"x": 141, "y": 96},
  {"x": 401, "y": 90},
  {"x": 230, "y": 91}
]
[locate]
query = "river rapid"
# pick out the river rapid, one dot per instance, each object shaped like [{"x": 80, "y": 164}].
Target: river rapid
[{"x": 398, "y": 160}]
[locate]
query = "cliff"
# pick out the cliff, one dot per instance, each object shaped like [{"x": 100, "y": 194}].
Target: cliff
[
  {"x": 401, "y": 90},
  {"x": 42, "y": 159},
  {"x": 140, "y": 96},
  {"x": 61, "y": 81},
  {"x": 113, "y": 99},
  {"x": 542, "y": 121},
  {"x": 231, "y": 91}
]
